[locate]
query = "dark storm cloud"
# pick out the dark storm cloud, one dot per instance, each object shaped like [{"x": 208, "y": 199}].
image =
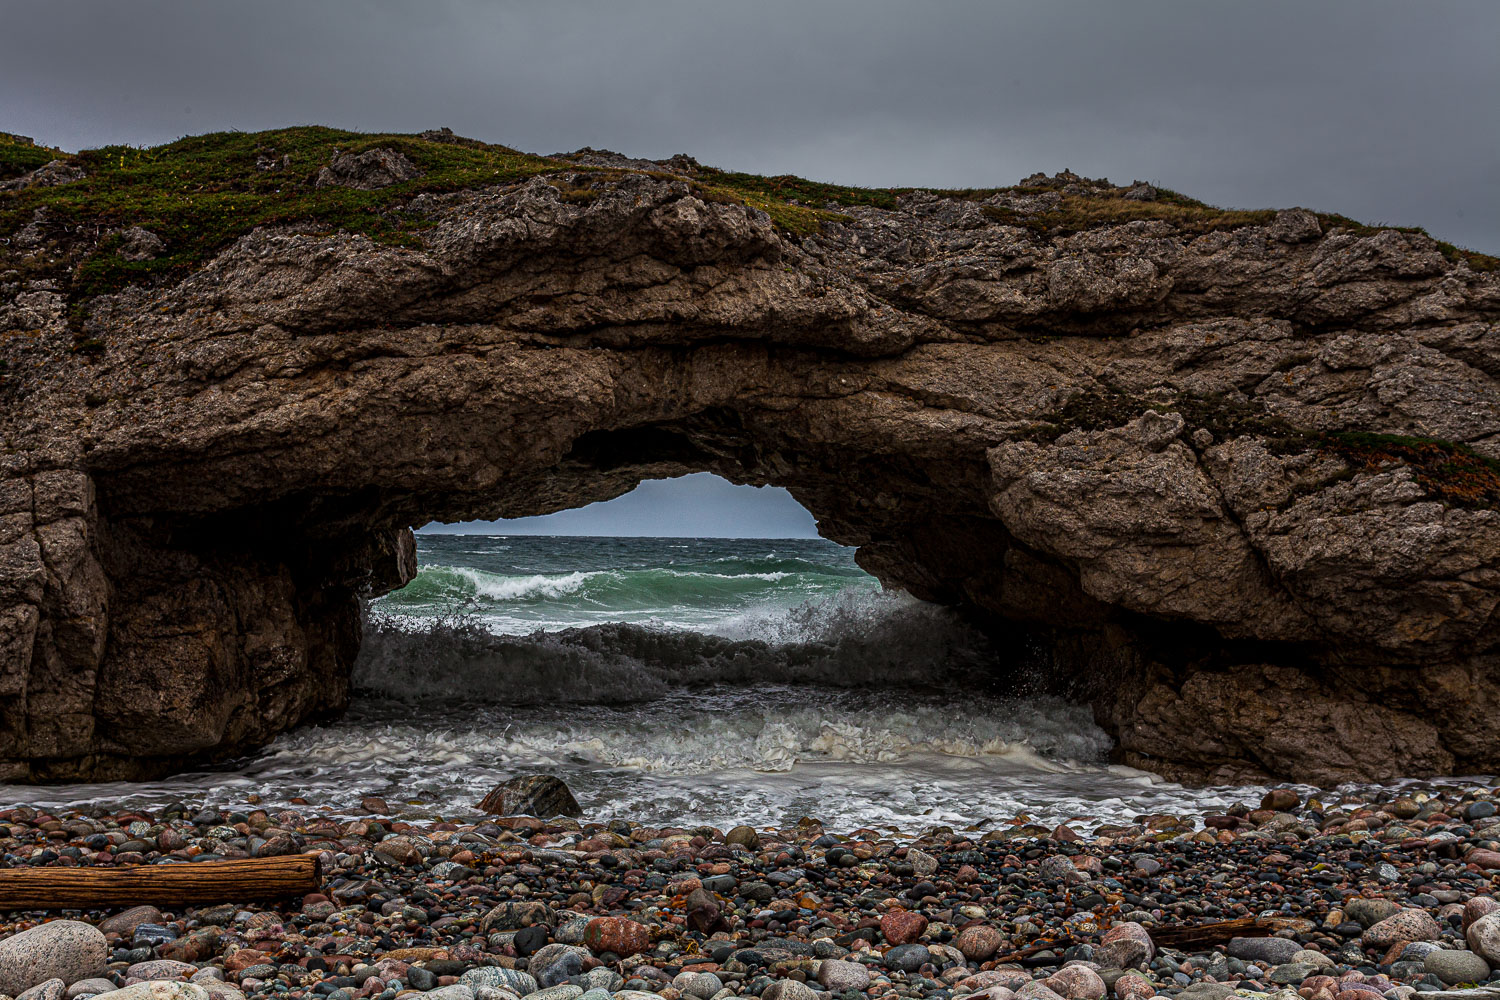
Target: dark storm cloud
[{"x": 1382, "y": 111}]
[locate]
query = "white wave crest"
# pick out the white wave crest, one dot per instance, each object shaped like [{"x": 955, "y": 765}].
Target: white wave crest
[
  {"x": 521, "y": 588},
  {"x": 771, "y": 577}
]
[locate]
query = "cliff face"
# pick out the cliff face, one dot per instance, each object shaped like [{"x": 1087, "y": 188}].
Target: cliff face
[{"x": 1237, "y": 475}]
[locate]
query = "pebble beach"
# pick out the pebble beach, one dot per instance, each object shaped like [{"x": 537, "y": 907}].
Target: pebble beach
[{"x": 1389, "y": 896}]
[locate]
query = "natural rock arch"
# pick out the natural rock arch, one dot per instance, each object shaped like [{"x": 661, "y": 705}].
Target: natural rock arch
[{"x": 1136, "y": 440}]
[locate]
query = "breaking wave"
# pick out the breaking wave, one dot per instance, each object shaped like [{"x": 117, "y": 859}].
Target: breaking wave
[
  {"x": 662, "y": 589},
  {"x": 855, "y": 639}
]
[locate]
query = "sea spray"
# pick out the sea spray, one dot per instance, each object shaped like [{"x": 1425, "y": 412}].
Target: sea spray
[{"x": 854, "y": 639}]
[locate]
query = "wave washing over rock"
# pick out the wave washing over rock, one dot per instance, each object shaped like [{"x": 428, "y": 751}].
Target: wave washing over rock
[
  {"x": 718, "y": 703},
  {"x": 856, "y": 641}
]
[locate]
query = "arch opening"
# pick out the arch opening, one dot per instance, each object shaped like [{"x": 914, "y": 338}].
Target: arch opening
[{"x": 671, "y": 676}]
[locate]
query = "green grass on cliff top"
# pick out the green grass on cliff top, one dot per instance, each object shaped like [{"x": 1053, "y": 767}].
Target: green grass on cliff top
[
  {"x": 17, "y": 157},
  {"x": 200, "y": 193},
  {"x": 1074, "y": 214}
]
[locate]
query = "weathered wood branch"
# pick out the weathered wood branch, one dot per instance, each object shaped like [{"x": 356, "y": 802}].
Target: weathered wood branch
[
  {"x": 193, "y": 884},
  {"x": 1207, "y": 935}
]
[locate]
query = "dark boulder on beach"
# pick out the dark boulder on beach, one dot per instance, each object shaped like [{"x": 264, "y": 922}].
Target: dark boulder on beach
[{"x": 540, "y": 795}]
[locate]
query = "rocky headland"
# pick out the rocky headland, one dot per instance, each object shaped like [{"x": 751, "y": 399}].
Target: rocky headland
[{"x": 1230, "y": 476}]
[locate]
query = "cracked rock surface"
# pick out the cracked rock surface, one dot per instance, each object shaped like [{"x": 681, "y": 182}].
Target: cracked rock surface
[{"x": 1238, "y": 482}]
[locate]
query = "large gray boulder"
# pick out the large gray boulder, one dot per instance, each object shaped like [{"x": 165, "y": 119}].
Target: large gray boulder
[{"x": 61, "y": 949}]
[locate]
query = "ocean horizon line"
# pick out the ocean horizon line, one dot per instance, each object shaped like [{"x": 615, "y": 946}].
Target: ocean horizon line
[{"x": 717, "y": 538}]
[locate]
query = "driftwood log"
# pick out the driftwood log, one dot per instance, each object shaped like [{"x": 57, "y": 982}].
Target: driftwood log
[
  {"x": 192, "y": 884},
  {"x": 1219, "y": 932}
]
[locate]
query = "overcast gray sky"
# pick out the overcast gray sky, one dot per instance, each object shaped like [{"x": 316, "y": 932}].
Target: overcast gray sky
[
  {"x": 1381, "y": 110},
  {"x": 697, "y": 506}
]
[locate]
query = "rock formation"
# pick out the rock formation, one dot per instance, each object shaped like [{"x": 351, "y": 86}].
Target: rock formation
[{"x": 1239, "y": 479}]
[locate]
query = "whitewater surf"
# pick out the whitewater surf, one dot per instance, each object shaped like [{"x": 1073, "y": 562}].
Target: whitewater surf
[{"x": 683, "y": 681}]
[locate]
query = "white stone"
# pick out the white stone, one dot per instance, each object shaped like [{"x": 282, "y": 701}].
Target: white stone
[
  {"x": 1483, "y": 936},
  {"x": 161, "y": 989}
]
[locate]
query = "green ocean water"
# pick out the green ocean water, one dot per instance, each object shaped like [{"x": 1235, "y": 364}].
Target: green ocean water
[{"x": 518, "y": 584}]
